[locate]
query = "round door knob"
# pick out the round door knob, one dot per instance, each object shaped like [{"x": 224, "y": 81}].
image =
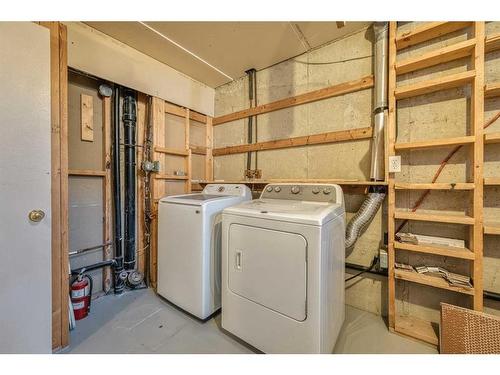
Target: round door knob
[
  {"x": 295, "y": 189},
  {"x": 36, "y": 215},
  {"x": 327, "y": 191},
  {"x": 269, "y": 189},
  {"x": 277, "y": 189},
  {"x": 315, "y": 190}
]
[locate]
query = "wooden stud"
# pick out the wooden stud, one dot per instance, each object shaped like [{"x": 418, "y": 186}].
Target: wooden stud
[
  {"x": 87, "y": 117},
  {"x": 477, "y": 115},
  {"x": 492, "y": 228},
  {"x": 434, "y": 186},
  {"x": 209, "y": 160},
  {"x": 187, "y": 164},
  {"x": 492, "y": 42},
  {"x": 435, "y": 143},
  {"x": 327, "y": 92},
  {"x": 438, "y": 218},
  {"x": 436, "y": 57},
  {"x": 492, "y": 138},
  {"x": 198, "y": 150},
  {"x": 171, "y": 151},
  {"x": 435, "y": 84},
  {"x": 446, "y": 251},
  {"x": 316, "y": 139},
  {"x": 436, "y": 282},
  {"x": 171, "y": 177},
  {"x": 492, "y": 181},
  {"x": 428, "y": 31},
  {"x": 492, "y": 90},
  {"x": 391, "y": 140},
  {"x": 107, "y": 194}
]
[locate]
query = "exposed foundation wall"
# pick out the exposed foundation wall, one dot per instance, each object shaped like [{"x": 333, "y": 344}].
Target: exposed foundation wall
[
  {"x": 439, "y": 115},
  {"x": 348, "y": 160}
]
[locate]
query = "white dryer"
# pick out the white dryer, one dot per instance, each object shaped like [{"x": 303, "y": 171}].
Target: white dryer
[
  {"x": 283, "y": 271},
  {"x": 189, "y": 246}
]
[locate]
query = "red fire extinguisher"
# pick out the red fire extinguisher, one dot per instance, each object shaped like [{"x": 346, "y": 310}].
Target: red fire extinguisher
[{"x": 81, "y": 292}]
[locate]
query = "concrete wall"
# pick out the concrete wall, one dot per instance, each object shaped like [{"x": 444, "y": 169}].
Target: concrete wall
[
  {"x": 98, "y": 54},
  {"x": 443, "y": 114}
]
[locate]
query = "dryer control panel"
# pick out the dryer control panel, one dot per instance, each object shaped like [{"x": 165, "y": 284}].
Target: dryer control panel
[
  {"x": 304, "y": 192},
  {"x": 238, "y": 190}
]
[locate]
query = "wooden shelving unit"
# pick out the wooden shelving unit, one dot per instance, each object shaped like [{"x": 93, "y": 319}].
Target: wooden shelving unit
[{"x": 473, "y": 48}]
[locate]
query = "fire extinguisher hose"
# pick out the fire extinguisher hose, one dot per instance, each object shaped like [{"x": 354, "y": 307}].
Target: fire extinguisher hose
[{"x": 91, "y": 285}]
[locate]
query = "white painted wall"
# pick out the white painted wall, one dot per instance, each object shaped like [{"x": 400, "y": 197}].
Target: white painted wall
[{"x": 98, "y": 54}]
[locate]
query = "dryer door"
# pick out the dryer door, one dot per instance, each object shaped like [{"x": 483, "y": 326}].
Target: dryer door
[{"x": 269, "y": 267}]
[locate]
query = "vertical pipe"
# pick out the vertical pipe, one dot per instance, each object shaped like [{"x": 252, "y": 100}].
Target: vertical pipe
[
  {"x": 250, "y": 73},
  {"x": 119, "y": 284},
  {"x": 129, "y": 139}
]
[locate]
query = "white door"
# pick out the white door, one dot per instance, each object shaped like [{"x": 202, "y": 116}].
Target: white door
[
  {"x": 25, "y": 252},
  {"x": 269, "y": 267}
]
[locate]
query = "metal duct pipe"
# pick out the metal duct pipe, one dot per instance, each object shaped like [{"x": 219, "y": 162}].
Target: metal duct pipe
[
  {"x": 119, "y": 284},
  {"x": 358, "y": 224},
  {"x": 380, "y": 63},
  {"x": 129, "y": 122}
]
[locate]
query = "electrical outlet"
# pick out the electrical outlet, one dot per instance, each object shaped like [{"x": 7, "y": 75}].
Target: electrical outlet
[{"x": 395, "y": 163}]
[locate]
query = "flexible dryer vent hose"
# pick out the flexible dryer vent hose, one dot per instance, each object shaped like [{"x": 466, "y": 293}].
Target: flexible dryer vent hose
[{"x": 358, "y": 224}]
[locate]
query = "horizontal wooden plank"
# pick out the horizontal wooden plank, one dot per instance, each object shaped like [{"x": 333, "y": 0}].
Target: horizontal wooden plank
[
  {"x": 438, "y": 218},
  {"x": 181, "y": 112},
  {"x": 198, "y": 150},
  {"x": 492, "y": 42},
  {"x": 433, "y": 85},
  {"x": 86, "y": 172},
  {"x": 492, "y": 90},
  {"x": 435, "y": 143},
  {"x": 327, "y": 92},
  {"x": 440, "y": 56},
  {"x": 434, "y": 281},
  {"x": 197, "y": 117},
  {"x": 434, "y": 186},
  {"x": 417, "y": 328},
  {"x": 492, "y": 138},
  {"x": 492, "y": 181},
  {"x": 170, "y": 177},
  {"x": 300, "y": 180},
  {"x": 447, "y": 251},
  {"x": 426, "y": 32},
  {"x": 171, "y": 151},
  {"x": 316, "y": 139},
  {"x": 492, "y": 228}
]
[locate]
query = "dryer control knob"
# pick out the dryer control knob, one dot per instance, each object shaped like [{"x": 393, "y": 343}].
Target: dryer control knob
[
  {"x": 315, "y": 190},
  {"x": 327, "y": 191},
  {"x": 269, "y": 188},
  {"x": 277, "y": 189},
  {"x": 295, "y": 189}
]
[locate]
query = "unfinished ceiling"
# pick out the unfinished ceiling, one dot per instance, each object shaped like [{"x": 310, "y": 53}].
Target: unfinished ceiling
[{"x": 215, "y": 53}]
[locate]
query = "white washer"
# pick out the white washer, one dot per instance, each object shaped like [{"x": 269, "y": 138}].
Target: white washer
[
  {"x": 189, "y": 245},
  {"x": 283, "y": 271}
]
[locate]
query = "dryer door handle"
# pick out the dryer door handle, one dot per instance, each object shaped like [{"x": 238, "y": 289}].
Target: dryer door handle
[{"x": 237, "y": 258}]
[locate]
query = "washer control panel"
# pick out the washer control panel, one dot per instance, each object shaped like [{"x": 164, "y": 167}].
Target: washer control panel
[
  {"x": 227, "y": 189},
  {"x": 303, "y": 192}
]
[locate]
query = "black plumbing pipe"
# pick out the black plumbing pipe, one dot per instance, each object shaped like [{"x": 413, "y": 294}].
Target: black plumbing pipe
[
  {"x": 129, "y": 140},
  {"x": 95, "y": 266},
  {"x": 117, "y": 196}
]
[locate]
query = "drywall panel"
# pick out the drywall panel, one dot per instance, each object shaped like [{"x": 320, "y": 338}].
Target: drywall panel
[{"x": 93, "y": 52}]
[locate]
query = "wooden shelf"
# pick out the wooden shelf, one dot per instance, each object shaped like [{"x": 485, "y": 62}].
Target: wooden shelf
[
  {"x": 492, "y": 90},
  {"x": 435, "y": 143},
  {"x": 171, "y": 151},
  {"x": 447, "y": 251},
  {"x": 434, "y": 281},
  {"x": 433, "y": 85},
  {"x": 86, "y": 172},
  {"x": 492, "y": 138},
  {"x": 492, "y": 181},
  {"x": 298, "y": 181},
  {"x": 426, "y": 32},
  {"x": 451, "y": 219},
  {"x": 442, "y": 55},
  {"x": 492, "y": 42},
  {"x": 170, "y": 177},
  {"x": 434, "y": 186},
  {"x": 492, "y": 228},
  {"x": 417, "y": 328}
]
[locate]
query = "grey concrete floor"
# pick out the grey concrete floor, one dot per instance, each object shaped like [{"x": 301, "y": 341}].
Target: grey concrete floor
[{"x": 141, "y": 322}]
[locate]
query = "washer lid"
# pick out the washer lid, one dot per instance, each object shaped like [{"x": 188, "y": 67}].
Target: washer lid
[
  {"x": 315, "y": 213},
  {"x": 194, "y": 199}
]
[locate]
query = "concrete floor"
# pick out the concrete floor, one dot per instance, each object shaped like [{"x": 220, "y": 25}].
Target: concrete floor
[{"x": 141, "y": 322}]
